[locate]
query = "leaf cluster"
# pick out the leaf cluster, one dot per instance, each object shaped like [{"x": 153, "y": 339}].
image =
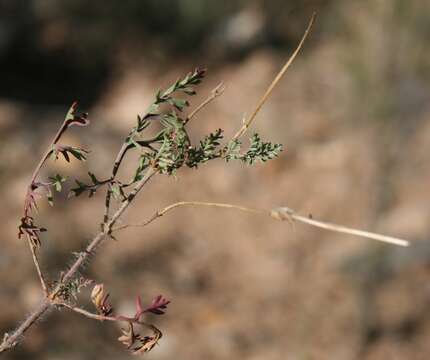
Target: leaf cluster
[{"x": 172, "y": 148}]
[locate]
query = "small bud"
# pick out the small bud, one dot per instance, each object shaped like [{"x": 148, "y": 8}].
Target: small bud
[{"x": 100, "y": 300}]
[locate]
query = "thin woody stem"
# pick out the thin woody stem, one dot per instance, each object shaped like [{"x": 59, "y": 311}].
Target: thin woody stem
[
  {"x": 282, "y": 213},
  {"x": 37, "y": 266},
  {"x": 217, "y": 91},
  {"x": 106, "y": 231},
  {"x": 99, "y": 317},
  {"x": 10, "y": 341},
  {"x": 115, "y": 169},
  {"x": 89, "y": 314},
  {"x": 247, "y": 122},
  {"x": 55, "y": 140},
  {"x": 34, "y": 176},
  {"x": 162, "y": 212}
]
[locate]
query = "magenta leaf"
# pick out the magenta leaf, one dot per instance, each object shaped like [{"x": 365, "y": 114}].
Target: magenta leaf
[
  {"x": 158, "y": 306},
  {"x": 28, "y": 227}
]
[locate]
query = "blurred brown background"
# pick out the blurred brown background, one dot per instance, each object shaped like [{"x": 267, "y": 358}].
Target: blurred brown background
[{"x": 353, "y": 113}]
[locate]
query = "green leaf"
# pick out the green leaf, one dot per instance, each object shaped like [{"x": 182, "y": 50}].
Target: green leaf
[
  {"x": 79, "y": 154},
  {"x": 116, "y": 192},
  {"x": 78, "y": 190},
  {"x": 71, "y": 113},
  {"x": 93, "y": 178},
  {"x": 57, "y": 181},
  {"x": 232, "y": 150},
  {"x": 179, "y": 104},
  {"x": 50, "y": 197}
]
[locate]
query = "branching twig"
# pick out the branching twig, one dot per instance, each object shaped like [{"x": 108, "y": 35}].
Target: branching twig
[
  {"x": 106, "y": 231},
  {"x": 217, "y": 91},
  {"x": 282, "y": 213},
  {"x": 11, "y": 340},
  {"x": 28, "y": 203},
  {"x": 61, "y": 289}
]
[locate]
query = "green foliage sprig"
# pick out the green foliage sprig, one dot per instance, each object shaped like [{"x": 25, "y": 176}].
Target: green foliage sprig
[{"x": 164, "y": 154}]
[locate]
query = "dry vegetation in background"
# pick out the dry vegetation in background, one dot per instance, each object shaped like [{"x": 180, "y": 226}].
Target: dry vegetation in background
[{"x": 354, "y": 119}]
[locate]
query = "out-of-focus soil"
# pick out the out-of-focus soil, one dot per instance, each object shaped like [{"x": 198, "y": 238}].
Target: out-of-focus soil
[{"x": 243, "y": 286}]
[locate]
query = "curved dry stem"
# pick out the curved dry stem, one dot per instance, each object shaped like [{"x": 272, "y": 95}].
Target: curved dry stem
[
  {"x": 217, "y": 91},
  {"x": 247, "y": 123},
  {"x": 162, "y": 212},
  {"x": 281, "y": 213}
]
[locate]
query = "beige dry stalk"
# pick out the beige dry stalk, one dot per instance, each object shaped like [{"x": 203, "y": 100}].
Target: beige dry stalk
[
  {"x": 247, "y": 122},
  {"x": 281, "y": 213}
]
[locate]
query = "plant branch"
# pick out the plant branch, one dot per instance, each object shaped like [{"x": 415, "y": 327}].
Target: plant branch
[
  {"x": 247, "y": 122},
  {"x": 99, "y": 317},
  {"x": 282, "y": 213},
  {"x": 27, "y": 226},
  {"x": 169, "y": 151},
  {"x": 106, "y": 231},
  {"x": 217, "y": 91},
  {"x": 88, "y": 314},
  {"x": 10, "y": 341},
  {"x": 48, "y": 152},
  {"x": 115, "y": 169},
  {"x": 37, "y": 266},
  {"x": 162, "y": 212},
  {"x": 34, "y": 176}
]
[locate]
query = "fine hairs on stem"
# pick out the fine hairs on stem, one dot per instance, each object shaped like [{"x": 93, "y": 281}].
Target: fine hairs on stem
[{"x": 164, "y": 154}]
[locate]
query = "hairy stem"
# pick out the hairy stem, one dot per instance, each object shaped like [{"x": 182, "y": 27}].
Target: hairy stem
[
  {"x": 10, "y": 341},
  {"x": 106, "y": 231}
]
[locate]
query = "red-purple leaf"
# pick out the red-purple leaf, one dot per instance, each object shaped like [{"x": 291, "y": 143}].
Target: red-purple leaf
[
  {"x": 73, "y": 119},
  {"x": 158, "y": 305},
  {"x": 32, "y": 231}
]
